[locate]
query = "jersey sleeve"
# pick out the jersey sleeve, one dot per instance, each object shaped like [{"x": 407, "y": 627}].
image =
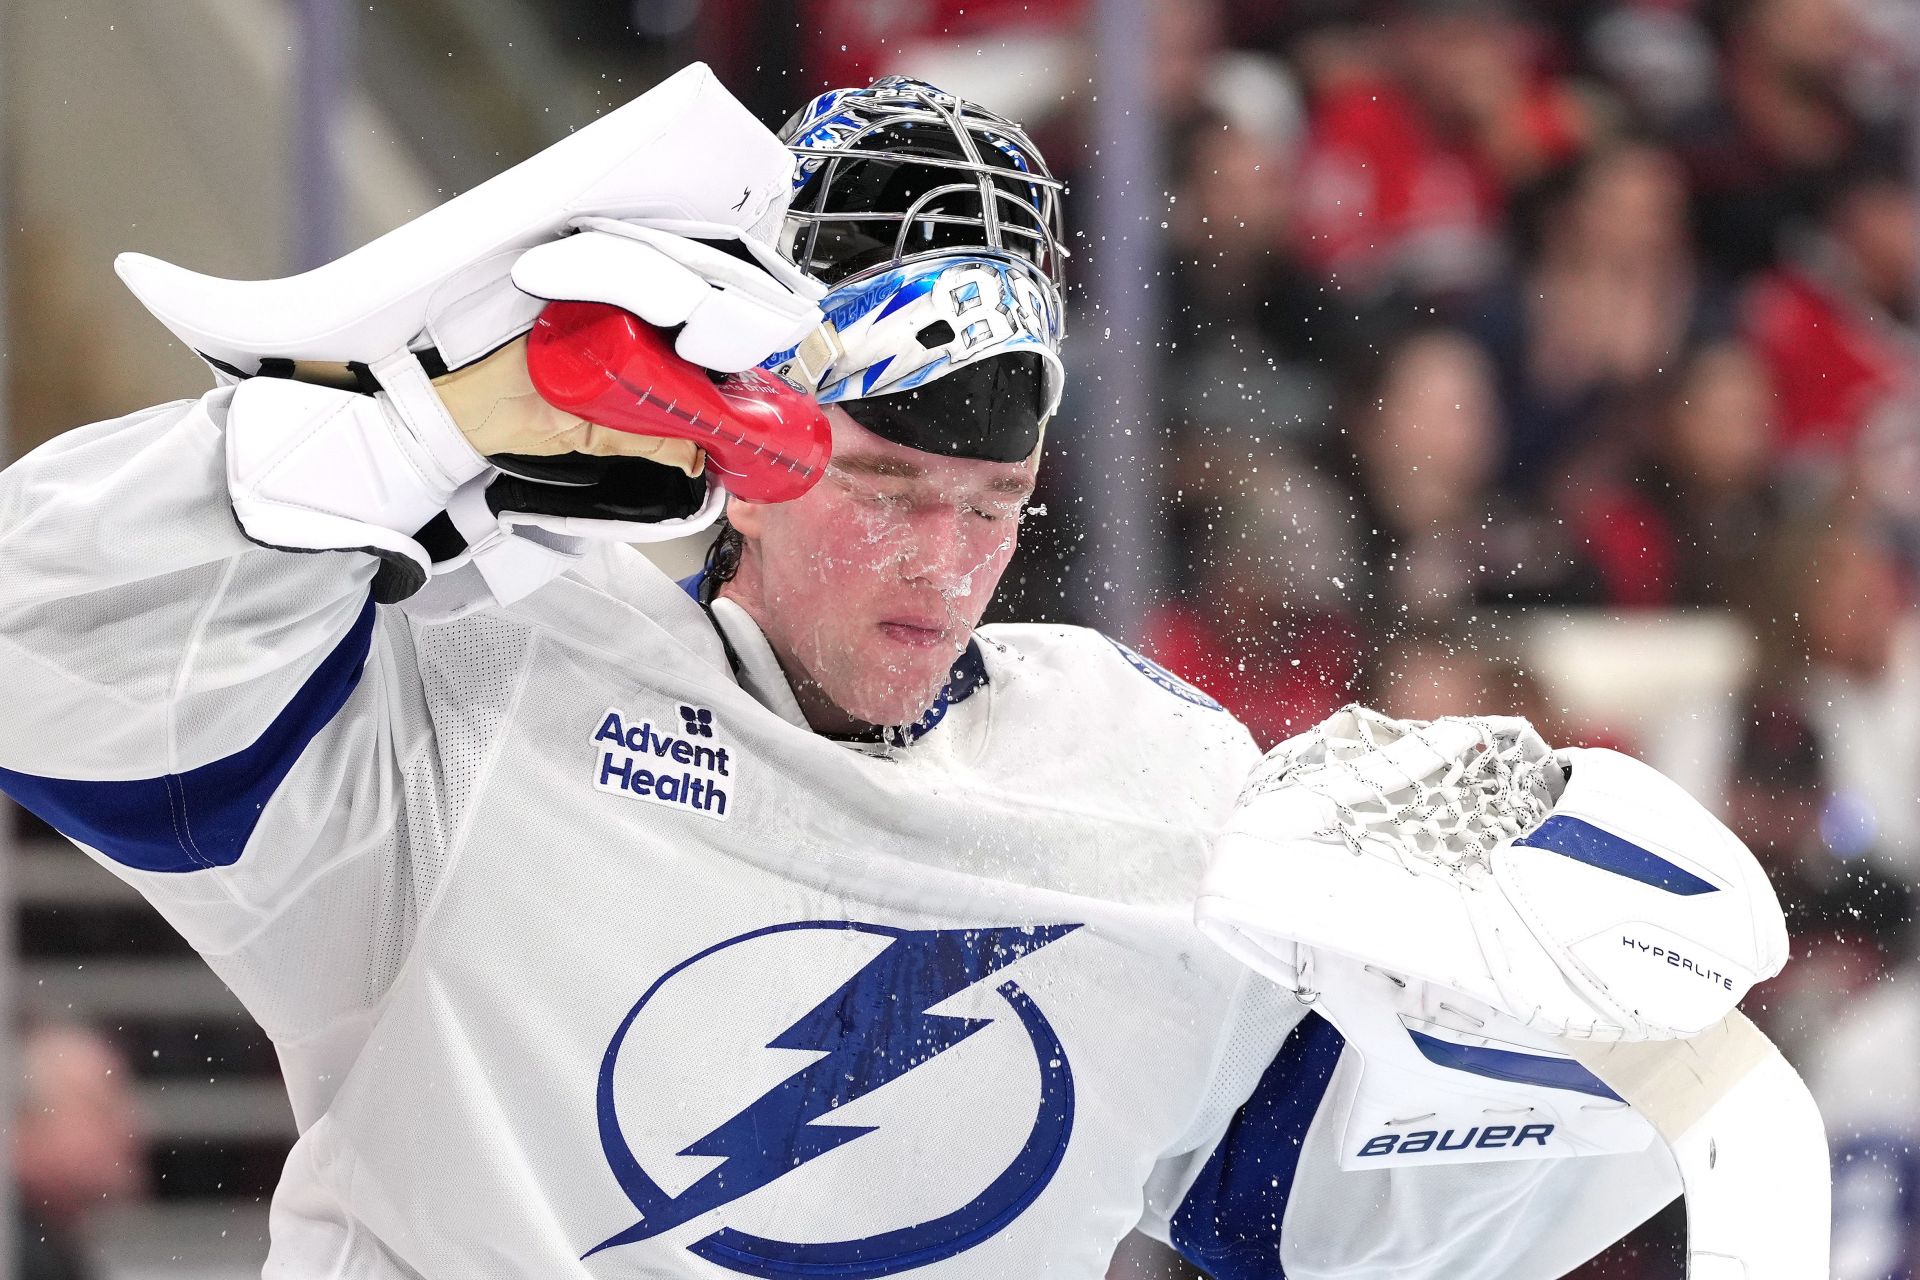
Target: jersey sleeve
[
  {"x": 235, "y": 731},
  {"x": 1266, "y": 1198}
]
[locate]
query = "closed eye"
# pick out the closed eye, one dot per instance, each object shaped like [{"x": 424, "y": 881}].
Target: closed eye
[{"x": 995, "y": 510}]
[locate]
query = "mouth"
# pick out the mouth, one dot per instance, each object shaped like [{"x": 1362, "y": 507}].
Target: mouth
[{"x": 917, "y": 634}]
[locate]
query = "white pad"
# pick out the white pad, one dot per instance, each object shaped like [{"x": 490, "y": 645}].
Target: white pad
[{"x": 685, "y": 150}]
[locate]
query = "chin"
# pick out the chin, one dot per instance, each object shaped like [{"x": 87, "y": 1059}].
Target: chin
[
  {"x": 893, "y": 709},
  {"x": 900, "y": 700}
]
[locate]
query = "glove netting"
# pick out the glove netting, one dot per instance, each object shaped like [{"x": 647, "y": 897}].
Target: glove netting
[{"x": 1442, "y": 793}]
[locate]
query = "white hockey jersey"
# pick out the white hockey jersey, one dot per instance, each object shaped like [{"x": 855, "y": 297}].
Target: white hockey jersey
[{"x": 583, "y": 957}]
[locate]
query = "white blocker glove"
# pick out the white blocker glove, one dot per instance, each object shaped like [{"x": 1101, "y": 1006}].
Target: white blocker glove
[
  {"x": 731, "y": 314},
  {"x": 377, "y": 385},
  {"x": 315, "y": 468}
]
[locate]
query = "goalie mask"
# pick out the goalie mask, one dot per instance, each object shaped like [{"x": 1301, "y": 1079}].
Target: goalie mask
[{"x": 938, "y": 225}]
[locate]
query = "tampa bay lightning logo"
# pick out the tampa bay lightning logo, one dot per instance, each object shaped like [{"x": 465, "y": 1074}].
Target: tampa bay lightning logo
[{"x": 871, "y": 1030}]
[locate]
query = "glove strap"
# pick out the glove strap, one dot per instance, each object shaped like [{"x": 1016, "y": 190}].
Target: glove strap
[
  {"x": 410, "y": 392},
  {"x": 513, "y": 566}
]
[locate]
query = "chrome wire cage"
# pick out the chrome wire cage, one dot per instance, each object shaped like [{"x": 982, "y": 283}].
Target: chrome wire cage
[{"x": 900, "y": 170}]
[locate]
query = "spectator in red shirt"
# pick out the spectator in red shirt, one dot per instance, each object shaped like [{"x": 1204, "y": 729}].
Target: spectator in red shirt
[
  {"x": 1834, "y": 325},
  {"x": 1687, "y": 527},
  {"x": 1416, "y": 141}
]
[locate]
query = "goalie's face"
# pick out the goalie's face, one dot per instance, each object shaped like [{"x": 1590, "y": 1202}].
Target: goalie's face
[{"x": 869, "y": 585}]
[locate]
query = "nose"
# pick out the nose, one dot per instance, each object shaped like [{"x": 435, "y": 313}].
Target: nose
[{"x": 935, "y": 548}]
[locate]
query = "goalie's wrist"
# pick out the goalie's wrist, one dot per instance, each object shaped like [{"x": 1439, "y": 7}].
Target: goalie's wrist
[{"x": 425, "y": 428}]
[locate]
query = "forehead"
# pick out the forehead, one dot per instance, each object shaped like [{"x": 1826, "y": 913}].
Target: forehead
[{"x": 859, "y": 452}]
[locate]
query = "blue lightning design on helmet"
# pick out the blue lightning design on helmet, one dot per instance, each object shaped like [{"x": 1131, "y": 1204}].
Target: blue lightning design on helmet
[
  {"x": 872, "y": 1030},
  {"x": 823, "y": 130},
  {"x": 991, "y": 305}
]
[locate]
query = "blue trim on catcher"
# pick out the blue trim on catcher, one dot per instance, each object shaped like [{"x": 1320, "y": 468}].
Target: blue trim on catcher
[
  {"x": 1584, "y": 842},
  {"x": 1229, "y": 1224},
  {"x": 204, "y": 817},
  {"x": 1512, "y": 1066}
]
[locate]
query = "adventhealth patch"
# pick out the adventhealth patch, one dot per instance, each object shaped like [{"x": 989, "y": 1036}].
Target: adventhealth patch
[{"x": 679, "y": 764}]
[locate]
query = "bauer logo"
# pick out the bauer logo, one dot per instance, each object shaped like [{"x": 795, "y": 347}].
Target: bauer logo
[
  {"x": 1493, "y": 1137},
  {"x": 677, "y": 763}
]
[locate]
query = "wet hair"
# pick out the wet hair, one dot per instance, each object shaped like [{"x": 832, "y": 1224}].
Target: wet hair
[{"x": 723, "y": 560}]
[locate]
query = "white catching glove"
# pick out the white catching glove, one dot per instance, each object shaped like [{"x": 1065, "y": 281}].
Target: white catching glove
[{"x": 1580, "y": 892}]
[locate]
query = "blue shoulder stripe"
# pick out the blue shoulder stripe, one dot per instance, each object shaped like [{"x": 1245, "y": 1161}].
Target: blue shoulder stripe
[
  {"x": 1229, "y": 1224},
  {"x": 1584, "y": 842},
  {"x": 205, "y": 816}
]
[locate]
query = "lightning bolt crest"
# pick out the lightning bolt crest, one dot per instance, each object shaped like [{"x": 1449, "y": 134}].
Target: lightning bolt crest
[{"x": 870, "y": 1031}]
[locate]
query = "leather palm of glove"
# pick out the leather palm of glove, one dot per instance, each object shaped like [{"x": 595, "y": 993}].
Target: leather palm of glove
[{"x": 494, "y": 403}]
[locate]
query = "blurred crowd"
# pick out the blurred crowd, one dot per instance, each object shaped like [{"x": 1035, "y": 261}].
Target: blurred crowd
[
  {"x": 1476, "y": 309},
  {"x": 77, "y": 1144}
]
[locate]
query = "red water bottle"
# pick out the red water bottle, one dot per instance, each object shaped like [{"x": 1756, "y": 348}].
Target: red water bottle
[{"x": 765, "y": 440}]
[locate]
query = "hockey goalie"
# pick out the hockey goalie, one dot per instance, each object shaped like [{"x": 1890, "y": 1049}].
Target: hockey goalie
[{"x": 785, "y": 922}]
